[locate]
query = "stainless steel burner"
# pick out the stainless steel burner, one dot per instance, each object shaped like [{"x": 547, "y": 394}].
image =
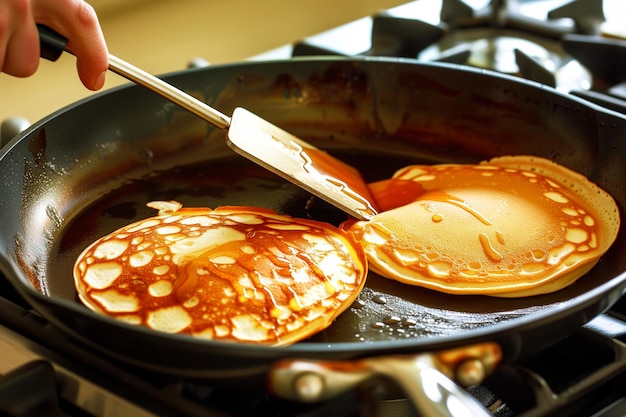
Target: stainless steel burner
[{"x": 516, "y": 37}]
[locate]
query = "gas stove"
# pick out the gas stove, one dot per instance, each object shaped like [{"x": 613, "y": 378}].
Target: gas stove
[
  {"x": 44, "y": 372},
  {"x": 572, "y": 46}
]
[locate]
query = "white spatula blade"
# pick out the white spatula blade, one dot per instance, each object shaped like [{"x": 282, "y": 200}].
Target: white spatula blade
[{"x": 300, "y": 163}]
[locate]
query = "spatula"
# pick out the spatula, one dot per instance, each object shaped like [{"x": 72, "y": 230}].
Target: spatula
[{"x": 254, "y": 138}]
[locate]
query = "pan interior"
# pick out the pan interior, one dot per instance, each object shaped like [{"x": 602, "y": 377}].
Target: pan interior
[{"x": 385, "y": 310}]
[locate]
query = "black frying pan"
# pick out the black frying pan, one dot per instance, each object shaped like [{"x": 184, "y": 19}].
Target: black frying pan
[{"x": 90, "y": 168}]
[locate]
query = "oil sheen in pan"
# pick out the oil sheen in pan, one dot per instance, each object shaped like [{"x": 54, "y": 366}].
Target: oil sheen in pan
[{"x": 385, "y": 310}]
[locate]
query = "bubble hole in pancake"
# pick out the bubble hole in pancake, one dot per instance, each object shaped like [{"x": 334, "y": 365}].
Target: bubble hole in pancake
[
  {"x": 513, "y": 226},
  {"x": 240, "y": 274}
]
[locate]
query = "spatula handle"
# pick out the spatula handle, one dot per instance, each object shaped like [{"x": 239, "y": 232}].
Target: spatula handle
[
  {"x": 168, "y": 91},
  {"x": 53, "y": 44}
]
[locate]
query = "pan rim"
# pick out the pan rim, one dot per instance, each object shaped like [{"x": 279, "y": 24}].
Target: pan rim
[{"x": 553, "y": 313}]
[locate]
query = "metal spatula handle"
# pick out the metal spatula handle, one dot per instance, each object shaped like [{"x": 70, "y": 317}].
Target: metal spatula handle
[
  {"x": 53, "y": 45},
  {"x": 168, "y": 91}
]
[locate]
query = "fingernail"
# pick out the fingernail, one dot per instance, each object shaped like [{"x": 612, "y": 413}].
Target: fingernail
[{"x": 99, "y": 81}]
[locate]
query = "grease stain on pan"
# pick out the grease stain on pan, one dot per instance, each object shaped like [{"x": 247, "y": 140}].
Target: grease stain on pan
[
  {"x": 410, "y": 313},
  {"x": 39, "y": 217}
]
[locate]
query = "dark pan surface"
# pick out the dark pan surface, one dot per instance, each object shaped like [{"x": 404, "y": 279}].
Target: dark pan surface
[{"x": 91, "y": 168}]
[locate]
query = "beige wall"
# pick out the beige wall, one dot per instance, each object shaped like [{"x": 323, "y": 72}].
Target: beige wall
[{"x": 163, "y": 35}]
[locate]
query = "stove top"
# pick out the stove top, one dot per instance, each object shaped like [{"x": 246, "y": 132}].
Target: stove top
[
  {"x": 575, "y": 47},
  {"x": 43, "y": 369}
]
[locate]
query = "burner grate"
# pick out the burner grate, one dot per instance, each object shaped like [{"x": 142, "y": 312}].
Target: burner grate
[
  {"x": 582, "y": 375},
  {"x": 561, "y": 44}
]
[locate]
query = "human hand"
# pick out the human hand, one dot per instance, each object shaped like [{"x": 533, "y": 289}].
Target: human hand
[{"x": 74, "y": 19}]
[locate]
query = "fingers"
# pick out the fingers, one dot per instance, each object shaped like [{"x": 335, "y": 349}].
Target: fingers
[
  {"x": 19, "y": 41},
  {"x": 74, "y": 19},
  {"x": 78, "y": 22},
  {"x": 87, "y": 43}
]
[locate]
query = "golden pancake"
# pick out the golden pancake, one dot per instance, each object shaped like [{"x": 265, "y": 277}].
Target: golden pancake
[
  {"x": 234, "y": 273},
  {"x": 510, "y": 227}
]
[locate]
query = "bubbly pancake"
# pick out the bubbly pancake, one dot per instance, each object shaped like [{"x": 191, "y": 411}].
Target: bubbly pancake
[
  {"x": 234, "y": 273},
  {"x": 510, "y": 227}
]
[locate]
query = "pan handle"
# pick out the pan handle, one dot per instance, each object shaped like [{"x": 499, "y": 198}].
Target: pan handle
[
  {"x": 426, "y": 378},
  {"x": 10, "y": 128}
]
